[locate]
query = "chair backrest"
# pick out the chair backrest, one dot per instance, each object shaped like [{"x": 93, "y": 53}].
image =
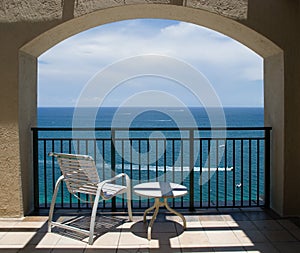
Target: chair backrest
[{"x": 78, "y": 171}]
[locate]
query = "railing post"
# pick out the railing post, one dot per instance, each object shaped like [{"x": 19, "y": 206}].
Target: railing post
[
  {"x": 113, "y": 164},
  {"x": 267, "y": 166},
  {"x": 35, "y": 148},
  {"x": 191, "y": 190}
]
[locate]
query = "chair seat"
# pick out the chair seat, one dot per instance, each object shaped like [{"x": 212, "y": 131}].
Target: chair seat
[{"x": 108, "y": 190}]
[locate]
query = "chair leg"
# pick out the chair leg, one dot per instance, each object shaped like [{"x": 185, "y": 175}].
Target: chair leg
[
  {"x": 129, "y": 205},
  {"x": 128, "y": 193},
  {"x": 93, "y": 216},
  {"x": 59, "y": 180}
]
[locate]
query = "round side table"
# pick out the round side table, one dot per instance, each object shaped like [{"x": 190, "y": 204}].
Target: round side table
[{"x": 160, "y": 190}]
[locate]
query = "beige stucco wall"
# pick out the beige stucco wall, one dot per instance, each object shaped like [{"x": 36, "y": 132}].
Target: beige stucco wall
[
  {"x": 280, "y": 21},
  {"x": 22, "y": 21},
  {"x": 37, "y": 10}
]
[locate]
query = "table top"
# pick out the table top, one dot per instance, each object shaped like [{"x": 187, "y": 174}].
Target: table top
[{"x": 160, "y": 190}]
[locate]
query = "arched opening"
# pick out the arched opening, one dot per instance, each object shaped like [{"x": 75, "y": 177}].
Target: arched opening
[{"x": 273, "y": 76}]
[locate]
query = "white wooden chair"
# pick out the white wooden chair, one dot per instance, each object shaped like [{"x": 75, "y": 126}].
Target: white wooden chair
[{"x": 80, "y": 175}]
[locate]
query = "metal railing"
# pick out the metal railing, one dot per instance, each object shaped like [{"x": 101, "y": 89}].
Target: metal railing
[{"x": 219, "y": 171}]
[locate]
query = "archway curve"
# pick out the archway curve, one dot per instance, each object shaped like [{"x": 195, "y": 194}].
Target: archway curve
[
  {"x": 250, "y": 38},
  {"x": 273, "y": 76}
]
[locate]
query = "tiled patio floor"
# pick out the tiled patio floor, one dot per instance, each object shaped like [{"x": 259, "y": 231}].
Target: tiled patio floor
[{"x": 234, "y": 230}]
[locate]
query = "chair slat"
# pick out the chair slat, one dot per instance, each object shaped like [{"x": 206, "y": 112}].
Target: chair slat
[{"x": 78, "y": 171}]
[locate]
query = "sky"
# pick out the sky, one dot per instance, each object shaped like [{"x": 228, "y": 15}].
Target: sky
[{"x": 234, "y": 71}]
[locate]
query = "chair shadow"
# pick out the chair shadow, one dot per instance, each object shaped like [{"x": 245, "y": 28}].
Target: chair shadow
[{"x": 103, "y": 225}]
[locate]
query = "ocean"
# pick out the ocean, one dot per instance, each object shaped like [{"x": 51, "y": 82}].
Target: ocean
[
  {"x": 227, "y": 171},
  {"x": 149, "y": 117}
]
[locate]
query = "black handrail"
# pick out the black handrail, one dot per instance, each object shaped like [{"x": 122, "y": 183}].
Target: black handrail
[{"x": 149, "y": 128}]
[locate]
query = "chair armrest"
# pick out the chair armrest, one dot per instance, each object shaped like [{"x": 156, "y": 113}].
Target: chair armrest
[
  {"x": 117, "y": 177},
  {"x": 128, "y": 182}
]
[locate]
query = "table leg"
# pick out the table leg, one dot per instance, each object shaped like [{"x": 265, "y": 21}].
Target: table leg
[
  {"x": 156, "y": 206},
  {"x": 148, "y": 210},
  {"x": 173, "y": 211}
]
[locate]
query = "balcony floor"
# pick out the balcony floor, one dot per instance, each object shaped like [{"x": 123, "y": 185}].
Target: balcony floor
[{"x": 227, "y": 230}]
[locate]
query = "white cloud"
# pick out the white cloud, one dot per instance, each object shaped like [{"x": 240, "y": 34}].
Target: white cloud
[{"x": 225, "y": 62}]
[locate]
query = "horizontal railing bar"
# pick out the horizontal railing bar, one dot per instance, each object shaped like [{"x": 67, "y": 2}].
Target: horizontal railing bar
[
  {"x": 230, "y": 139},
  {"x": 71, "y": 139},
  {"x": 151, "y": 138},
  {"x": 149, "y": 128},
  {"x": 107, "y": 139}
]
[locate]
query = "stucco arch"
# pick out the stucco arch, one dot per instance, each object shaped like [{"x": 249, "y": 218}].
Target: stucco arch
[
  {"x": 273, "y": 76},
  {"x": 238, "y": 31}
]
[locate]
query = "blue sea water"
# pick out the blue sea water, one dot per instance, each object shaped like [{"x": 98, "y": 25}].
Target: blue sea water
[
  {"x": 148, "y": 117},
  {"x": 163, "y": 166}
]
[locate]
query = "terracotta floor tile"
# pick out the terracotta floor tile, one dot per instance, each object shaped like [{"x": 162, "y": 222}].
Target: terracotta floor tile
[
  {"x": 250, "y": 237},
  {"x": 192, "y": 225},
  {"x": 5, "y": 250},
  {"x": 198, "y": 249},
  {"x": 230, "y": 249},
  {"x": 228, "y": 217},
  {"x": 2, "y": 234},
  {"x": 193, "y": 239},
  {"x": 161, "y": 227},
  {"x": 107, "y": 240},
  {"x": 261, "y": 248},
  {"x": 213, "y": 217},
  {"x": 17, "y": 239},
  {"x": 288, "y": 247},
  {"x": 35, "y": 219},
  {"x": 131, "y": 239},
  {"x": 34, "y": 249},
  {"x": 66, "y": 250},
  {"x": 99, "y": 250},
  {"x": 165, "y": 249},
  {"x": 287, "y": 224},
  {"x": 225, "y": 237},
  {"x": 268, "y": 225},
  {"x": 279, "y": 236},
  {"x": 242, "y": 225},
  {"x": 66, "y": 242},
  {"x": 29, "y": 224},
  {"x": 8, "y": 223},
  {"x": 295, "y": 233},
  {"x": 133, "y": 250},
  {"x": 47, "y": 240},
  {"x": 165, "y": 238},
  {"x": 215, "y": 225},
  {"x": 238, "y": 216},
  {"x": 254, "y": 216}
]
